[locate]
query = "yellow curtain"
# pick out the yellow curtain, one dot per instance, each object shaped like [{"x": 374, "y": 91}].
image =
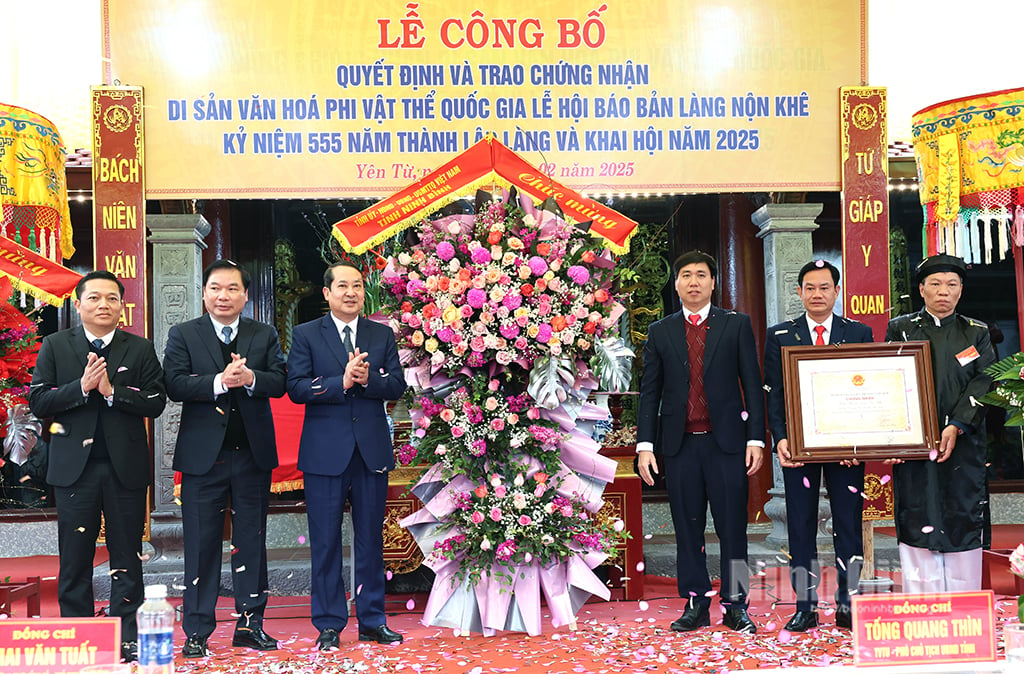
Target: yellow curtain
[{"x": 33, "y": 188}]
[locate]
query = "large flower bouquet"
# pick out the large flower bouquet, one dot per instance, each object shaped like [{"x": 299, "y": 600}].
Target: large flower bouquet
[
  {"x": 508, "y": 285},
  {"x": 506, "y": 320}
]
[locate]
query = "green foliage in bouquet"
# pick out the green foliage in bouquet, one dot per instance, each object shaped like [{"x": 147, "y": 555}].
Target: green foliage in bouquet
[{"x": 1008, "y": 375}]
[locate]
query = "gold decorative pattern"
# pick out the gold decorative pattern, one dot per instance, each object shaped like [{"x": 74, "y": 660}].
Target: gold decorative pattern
[
  {"x": 117, "y": 118},
  {"x": 864, "y": 116},
  {"x": 401, "y": 554},
  {"x": 876, "y": 491}
]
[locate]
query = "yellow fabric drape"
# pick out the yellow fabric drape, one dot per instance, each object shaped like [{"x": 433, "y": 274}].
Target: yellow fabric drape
[{"x": 33, "y": 187}]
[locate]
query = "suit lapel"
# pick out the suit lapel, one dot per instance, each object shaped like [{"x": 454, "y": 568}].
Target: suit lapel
[
  {"x": 209, "y": 337},
  {"x": 244, "y": 338},
  {"x": 118, "y": 352},
  {"x": 363, "y": 339},
  {"x": 677, "y": 330},
  {"x": 330, "y": 334},
  {"x": 838, "y": 335},
  {"x": 80, "y": 345},
  {"x": 803, "y": 333},
  {"x": 715, "y": 318}
]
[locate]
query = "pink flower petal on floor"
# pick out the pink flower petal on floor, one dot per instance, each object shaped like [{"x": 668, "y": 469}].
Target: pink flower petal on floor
[
  {"x": 785, "y": 636},
  {"x": 643, "y": 606}
]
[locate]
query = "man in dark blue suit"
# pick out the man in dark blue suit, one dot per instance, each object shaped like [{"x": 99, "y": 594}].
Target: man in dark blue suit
[
  {"x": 701, "y": 399},
  {"x": 344, "y": 368},
  {"x": 224, "y": 369},
  {"x": 818, "y": 287}
]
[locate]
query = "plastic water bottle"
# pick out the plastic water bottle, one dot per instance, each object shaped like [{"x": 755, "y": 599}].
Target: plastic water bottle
[{"x": 156, "y": 632}]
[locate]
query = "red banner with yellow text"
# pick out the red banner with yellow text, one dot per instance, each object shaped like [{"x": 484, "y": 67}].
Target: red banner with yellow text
[
  {"x": 119, "y": 204},
  {"x": 488, "y": 163},
  {"x": 865, "y": 237},
  {"x": 893, "y": 630},
  {"x": 865, "y": 199},
  {"x": 59, "y": 645},
  {"x": 32, "y": 273}
]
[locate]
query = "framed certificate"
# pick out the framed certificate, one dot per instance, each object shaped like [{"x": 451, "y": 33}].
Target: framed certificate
[{"x": 860, "y": 401}]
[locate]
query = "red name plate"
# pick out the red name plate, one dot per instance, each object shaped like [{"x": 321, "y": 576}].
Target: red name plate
[
  {"x": 908, "y": 629},
  {"x": 58, "y": 646}
]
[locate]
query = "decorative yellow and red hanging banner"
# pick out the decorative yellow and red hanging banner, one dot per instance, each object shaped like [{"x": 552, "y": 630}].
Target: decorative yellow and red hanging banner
[
  {"x": 119, "y": 196},
  {"x": 33, "y": 190},
  {"x": 865, "y": 239},
  {"x": 35, "y": 224},
  {"x": 970, "y": 156},
  {"x": 487, "y": 163}
]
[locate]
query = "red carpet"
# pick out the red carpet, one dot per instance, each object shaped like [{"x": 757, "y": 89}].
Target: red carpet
[
  {"x": 610, "y": 637},
  {"x": 44, "y": 566}
]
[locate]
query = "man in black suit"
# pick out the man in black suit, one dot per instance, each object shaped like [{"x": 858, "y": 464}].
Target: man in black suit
[
  {"x": 818, "y": 287},
  {"x": 224, "y": 369},
  {"x": 343, "y": 368},
  {"x": 701, "y": 399},
  {"x": 99, "y": 384}
]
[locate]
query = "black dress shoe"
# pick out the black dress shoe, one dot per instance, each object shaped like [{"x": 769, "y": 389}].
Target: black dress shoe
[
  {"x": 195, "y": 647},
  {"x": 255, "y": 638},
  {"x": 844, "y": 617},
  {"x": 130, "y": 651},
  {"x": 693, "y": 617},
  {"x": 328, "y": 639},
  {"x": 736, "y": 619},
  {"x": 382, "y": 635},
  {"x": 802, "y": 621}
]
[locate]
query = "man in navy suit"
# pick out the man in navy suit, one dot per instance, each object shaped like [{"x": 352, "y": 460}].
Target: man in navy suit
[
  {"x": 701, "y": 399},
  {"x": 818, "y": 287},
  {"x": 99, "y": 385},
  {"x": 224, "y": 369},
  {"x": 343, "y": 368}
]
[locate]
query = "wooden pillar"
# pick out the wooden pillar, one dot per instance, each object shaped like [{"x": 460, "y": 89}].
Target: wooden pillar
[{"x": 741, "y": 287}]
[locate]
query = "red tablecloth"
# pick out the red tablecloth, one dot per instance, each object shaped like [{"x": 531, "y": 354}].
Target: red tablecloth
[{"x": 287, "y": 431}]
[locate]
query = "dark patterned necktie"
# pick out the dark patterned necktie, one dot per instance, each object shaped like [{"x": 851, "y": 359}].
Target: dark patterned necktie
[{"x": 347, "y": 340}]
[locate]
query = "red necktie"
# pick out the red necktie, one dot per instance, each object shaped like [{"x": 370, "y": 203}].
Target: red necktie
[
  {"x": 695, "y": 319},
  {"x": 820, "y": 339}
]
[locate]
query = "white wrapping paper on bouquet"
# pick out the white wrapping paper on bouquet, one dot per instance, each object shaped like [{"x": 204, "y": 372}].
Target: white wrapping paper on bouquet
[{"x": 494, "y": 603}]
